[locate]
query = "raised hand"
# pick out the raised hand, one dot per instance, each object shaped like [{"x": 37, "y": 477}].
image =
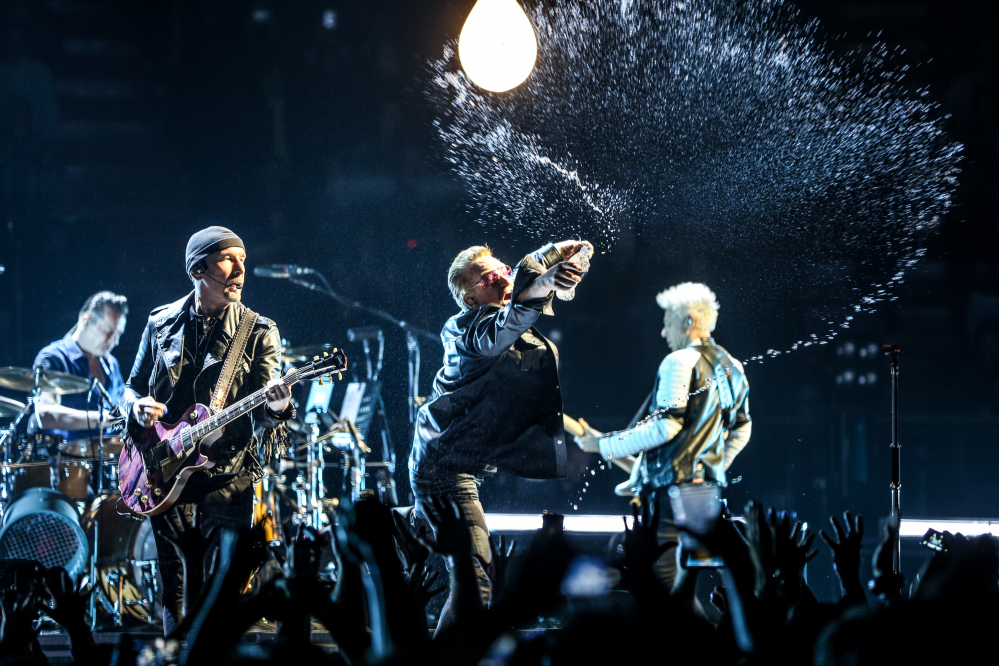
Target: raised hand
[
  {"x": 451, "y": 537},
  {"x": 68, "y": 601},
  {"x": 846, "y": 555},
  {"x": 422, "y": 584},
  {"x": 20, "y": 603},
  {"x": 759, "y": 534},
  {"x": 641, "y": 541},
  {"x": 187, "y": 537},
  {"x": 306, "y": 553},
  {"x": 413, "y": 552},
  {"x": 569, "y": 248},
  {"x": 793, "y": 551},
  {"x": 192, "y": 544},
  {"x": 793, "y": 545},
  {"x": 495, "y": 570}
]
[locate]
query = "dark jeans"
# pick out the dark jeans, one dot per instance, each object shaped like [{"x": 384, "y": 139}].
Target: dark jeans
[
  {"x": 463, "y": 490},
  {"x": 230, "y": 506},
  {"x": 666, "y": 568}
]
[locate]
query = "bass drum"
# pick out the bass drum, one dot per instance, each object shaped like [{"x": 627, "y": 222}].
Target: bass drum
[{"x": 127, "y": 566}]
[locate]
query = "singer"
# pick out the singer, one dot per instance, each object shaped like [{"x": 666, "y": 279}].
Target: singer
[
  {"x": 496, "y": 402},
  {"x": 179, "y": 363},
  {"x": 84, "y": 351}
]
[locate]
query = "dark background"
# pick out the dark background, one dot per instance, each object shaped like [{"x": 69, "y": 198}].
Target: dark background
[{"x": 302, "y": 125}]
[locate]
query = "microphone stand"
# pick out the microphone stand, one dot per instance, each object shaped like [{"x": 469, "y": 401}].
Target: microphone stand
[
  {"x": 896, "y": 478},
  {"x": 356, "y": 305},
  {"x": 412, "y": 332}
]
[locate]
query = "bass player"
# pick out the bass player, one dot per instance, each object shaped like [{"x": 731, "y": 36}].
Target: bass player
[
  {"x": 179, "y": 363},
  {"x": 697, "y": 416}
]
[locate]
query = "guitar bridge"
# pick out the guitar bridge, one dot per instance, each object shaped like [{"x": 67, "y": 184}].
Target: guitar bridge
[{"x": 156, "y": 456}]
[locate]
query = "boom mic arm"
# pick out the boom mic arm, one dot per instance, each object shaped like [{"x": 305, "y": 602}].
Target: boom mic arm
[{"x": 280, "y": 271}]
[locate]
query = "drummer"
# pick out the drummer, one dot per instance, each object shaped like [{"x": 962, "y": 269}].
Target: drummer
[{"x": 86, "y": 352}]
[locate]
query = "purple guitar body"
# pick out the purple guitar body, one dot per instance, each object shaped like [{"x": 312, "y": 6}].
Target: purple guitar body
[
  {"x": 154, "y": 469},
  {"x": 153, "y": 493}
]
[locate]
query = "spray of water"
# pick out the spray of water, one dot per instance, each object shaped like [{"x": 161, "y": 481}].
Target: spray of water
[
  {"x": 723, "y": 129},
  {"x": 714, "y": 127}
]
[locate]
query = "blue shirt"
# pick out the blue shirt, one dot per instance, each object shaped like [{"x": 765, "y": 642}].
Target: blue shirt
[{"x": 66, "y": 356}]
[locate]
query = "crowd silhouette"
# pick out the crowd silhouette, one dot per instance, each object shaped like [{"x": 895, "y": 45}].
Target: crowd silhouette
[{"x": 375, "y": 606}]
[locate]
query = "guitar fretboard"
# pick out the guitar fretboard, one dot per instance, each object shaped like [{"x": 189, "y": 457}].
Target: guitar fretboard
[{"x": 233, "y": 412}]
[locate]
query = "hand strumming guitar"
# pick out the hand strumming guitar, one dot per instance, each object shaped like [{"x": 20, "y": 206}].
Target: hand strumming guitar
[{"x": 146, "y": 411}]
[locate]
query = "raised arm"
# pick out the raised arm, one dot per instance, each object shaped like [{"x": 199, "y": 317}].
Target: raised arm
[{"x": 491, "y": 330}]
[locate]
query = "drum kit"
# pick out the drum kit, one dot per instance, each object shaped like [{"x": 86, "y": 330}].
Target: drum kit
[
  {"x": 60, "y": 498},
  {"x": 327, "y": 461},
  {"x": 54, "y": 513}
]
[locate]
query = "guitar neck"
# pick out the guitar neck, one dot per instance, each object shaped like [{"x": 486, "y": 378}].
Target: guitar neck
[{"x": 234, "y": 411}]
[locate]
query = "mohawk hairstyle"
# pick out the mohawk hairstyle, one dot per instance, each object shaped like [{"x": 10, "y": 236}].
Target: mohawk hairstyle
[{"x": 690, "y": 298}]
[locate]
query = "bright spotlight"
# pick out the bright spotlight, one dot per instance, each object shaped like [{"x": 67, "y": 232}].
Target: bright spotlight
[{"x": 497, "y": 47}]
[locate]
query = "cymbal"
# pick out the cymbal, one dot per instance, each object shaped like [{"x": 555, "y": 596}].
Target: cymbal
[
  {"x": 9, "y": 407},
  {"x": 84, "y": 448},
  {"x": 23, "y": 379},
  {"x": 304, "y": 353}
]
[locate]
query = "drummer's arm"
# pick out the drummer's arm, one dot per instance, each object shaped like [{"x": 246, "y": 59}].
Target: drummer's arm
[{"x": 54, "y": 416}]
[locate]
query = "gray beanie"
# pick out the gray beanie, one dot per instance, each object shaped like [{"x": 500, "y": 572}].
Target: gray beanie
[{"x": 209, "y": 241}]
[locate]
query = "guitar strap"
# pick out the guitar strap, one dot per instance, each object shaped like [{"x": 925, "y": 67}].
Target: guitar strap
[{"x": 236, "y": 349}]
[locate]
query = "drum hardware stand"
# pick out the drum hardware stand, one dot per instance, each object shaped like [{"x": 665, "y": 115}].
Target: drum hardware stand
[
  {"x": 353, "y": 459},
  {"x": 385, "y": 480},
  {"x": 412, "y": 343},
  {"x": 29, "y": 408},
  {"x": 99, "y": 471},
  {"x": 316, "y": 464}
]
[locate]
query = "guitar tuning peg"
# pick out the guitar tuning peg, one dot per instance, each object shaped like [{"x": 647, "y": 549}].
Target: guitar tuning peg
[
  {"x": 321, "y": 381},
  {"x": 335, "y": 350},
  {"x": 339, "y": 376},
  {"x": 315, "y": 358},
  {"x": 325, "y": 354}
]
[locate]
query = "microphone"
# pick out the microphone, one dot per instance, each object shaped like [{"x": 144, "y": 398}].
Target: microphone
[
  {"x": 104, "y": 393},
  {"x": 279, "y": 271}
]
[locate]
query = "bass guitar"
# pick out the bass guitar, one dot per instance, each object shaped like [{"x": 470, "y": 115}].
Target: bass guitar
[{"x": 153, "y": 471}]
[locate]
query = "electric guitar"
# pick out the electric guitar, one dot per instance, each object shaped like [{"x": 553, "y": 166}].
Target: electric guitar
[{"x": 153, "y": 471}]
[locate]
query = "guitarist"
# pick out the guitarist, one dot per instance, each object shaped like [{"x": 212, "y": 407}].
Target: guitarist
[
  {"x": 697, "y": 416},
  {"x": 496, "y": 402},
  {"x": 178, "y": 364}
]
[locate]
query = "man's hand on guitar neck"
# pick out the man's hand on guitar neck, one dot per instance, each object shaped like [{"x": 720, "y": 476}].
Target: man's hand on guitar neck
[
  {"x": 589, "y": 441},
  {"x": 146, "y": 411}
]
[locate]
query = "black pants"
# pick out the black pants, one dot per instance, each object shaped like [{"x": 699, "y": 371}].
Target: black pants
[
  {"x": 462, "y": 489},
  {"x": 230, "y": 506}
]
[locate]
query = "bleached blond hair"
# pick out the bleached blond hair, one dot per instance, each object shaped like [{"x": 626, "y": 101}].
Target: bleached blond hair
[
  {"x": 458, "y": 280},
  {"x": 689, "y": 298}
]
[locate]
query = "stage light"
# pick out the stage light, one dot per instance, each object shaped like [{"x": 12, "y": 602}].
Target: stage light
[
  {"x": 526, "y": 522},
  {"x": 497, "y": 46},
  {"x": 917, "y": 528}
]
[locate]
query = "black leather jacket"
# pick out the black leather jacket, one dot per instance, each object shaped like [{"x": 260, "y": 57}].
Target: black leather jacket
[
  {"x": 497, "y": 400},
  {"x": 717, "y": 404},
  {"x": 158, "y": 363}
]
